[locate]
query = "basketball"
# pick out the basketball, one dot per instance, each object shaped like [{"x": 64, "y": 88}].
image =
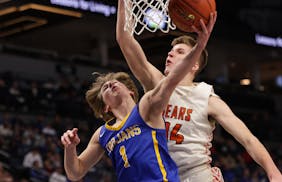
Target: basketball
[{"x": 185, "y": 13}]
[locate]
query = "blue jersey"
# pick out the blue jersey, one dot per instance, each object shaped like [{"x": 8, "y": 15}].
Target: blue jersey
[{"x": 138, "y": 152}]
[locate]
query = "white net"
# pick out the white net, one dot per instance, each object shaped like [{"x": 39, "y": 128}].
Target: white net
[{"x": 151, "y": 15}]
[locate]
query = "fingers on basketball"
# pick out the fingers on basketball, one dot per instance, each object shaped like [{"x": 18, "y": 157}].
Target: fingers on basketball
[{"x": 185, "y": 13}]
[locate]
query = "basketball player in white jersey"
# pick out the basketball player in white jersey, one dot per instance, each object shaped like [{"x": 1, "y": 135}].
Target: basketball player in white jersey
[{"x": 189, "y": 129}]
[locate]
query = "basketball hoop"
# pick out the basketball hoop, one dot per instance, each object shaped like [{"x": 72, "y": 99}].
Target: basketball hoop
[{"x": 151, "y": 15}]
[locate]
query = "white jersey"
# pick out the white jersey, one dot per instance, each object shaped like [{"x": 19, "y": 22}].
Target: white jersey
[{"x": 190, "y": 132}]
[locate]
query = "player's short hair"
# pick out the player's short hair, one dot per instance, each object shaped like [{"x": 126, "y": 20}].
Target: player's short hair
[
  {"x": 94, "y": 97},
  {"x": 191, "y": 41}
]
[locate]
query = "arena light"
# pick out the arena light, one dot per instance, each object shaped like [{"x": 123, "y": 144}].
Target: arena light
[
  {"x": 22, "y": 18},
  {"x": 245, "y": 81},
  {"x": 268, "y": 41},
  {"x": 33, "y": 22},
  {"x": 155, "y": 19},
  {"x": 50, "y": 9},
  {"x": 278, "y": 81},
  {"x": 8, "y": 10},
  {"x": 93, "y": 6}
]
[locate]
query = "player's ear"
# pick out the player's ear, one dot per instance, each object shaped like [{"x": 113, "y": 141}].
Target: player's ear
[
  {"x": 196, "y": 67},
  {"x": 131, "y": 93},
  {"x": 107, "y": 109}
]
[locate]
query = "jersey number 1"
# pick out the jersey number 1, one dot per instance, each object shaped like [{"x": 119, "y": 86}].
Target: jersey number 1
[{"x": 122, "y": 152}]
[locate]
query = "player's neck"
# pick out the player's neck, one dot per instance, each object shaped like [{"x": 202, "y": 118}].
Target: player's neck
[
  {"x": 122, "y": 110},
  {"x": 187, "y": 81}
]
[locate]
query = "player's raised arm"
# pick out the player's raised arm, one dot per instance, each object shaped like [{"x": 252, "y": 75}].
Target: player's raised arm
[
  {"x": 136, "y": 59},
  {"x": 159, "y": 96}
]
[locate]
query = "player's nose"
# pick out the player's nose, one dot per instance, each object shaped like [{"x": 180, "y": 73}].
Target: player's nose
[
  {"x": 110, "y": 84},
  {"x": 170, "y": 54}
]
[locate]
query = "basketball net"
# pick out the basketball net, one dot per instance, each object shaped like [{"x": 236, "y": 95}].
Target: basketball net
[{"x": 151, "y": 15}]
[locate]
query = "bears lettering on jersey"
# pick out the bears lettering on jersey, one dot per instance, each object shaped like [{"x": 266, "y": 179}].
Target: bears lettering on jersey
[{"x": 177, "y": 112}]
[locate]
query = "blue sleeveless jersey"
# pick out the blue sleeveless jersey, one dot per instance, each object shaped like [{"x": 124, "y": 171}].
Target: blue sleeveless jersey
[{"x": 139, "y": 153}]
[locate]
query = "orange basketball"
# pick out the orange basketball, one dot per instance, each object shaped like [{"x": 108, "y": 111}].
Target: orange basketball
[{"x": 185, "y": 13}]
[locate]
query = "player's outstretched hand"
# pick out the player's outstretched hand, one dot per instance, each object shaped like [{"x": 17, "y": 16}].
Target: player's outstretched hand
[
  {"x": 205, "y": 32},
  {"x": 70, "y": 138}
]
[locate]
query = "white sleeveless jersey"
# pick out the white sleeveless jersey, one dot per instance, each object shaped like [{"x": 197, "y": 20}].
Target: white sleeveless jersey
[{"x": 190, "y": 132}]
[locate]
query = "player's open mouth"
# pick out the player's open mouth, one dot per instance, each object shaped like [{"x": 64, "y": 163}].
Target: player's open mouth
[{"x": 168, "y": 62}]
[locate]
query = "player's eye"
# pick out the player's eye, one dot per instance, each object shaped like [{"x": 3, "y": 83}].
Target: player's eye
[
  {"x": 105, "y": 86},
  {"x": 181, "y": 51}
]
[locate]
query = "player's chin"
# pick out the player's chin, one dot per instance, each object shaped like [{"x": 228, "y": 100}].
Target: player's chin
[{"x": 166, "y": 72}]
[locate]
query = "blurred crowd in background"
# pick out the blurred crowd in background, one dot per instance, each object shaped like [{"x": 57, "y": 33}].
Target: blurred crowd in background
[{"x": 35, "y": 113}]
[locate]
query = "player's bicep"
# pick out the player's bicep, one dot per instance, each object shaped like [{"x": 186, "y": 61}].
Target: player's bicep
[
  {"x": 221, "y": 112},
  {"x": 147, "y": 74}
]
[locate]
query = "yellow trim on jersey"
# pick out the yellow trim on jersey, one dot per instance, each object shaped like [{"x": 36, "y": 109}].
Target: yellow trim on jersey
[
  {"x": 160, "y": 162},
  {"x": 119, "y": 126}
]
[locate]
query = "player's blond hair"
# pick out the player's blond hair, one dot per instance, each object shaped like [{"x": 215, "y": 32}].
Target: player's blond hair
[
  {"x": 94, "y": 97},
  {"x": 190, "y": 41}
]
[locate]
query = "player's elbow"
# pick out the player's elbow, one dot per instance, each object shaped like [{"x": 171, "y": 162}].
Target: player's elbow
[
  {"x": 123, "y": 38},
  {"x": 120, "y": 36},
  {"x": 74, "y": 174},
  {"x": 120, "y": 40},
  {"x": 74, "y": 177}
]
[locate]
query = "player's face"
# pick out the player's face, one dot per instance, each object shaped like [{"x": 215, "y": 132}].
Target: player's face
[
  {"x": 178, "y": 52},
  {"x": 113, "y": 92}
]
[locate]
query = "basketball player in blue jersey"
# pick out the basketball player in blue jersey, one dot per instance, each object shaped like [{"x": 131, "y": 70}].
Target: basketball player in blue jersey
[
  {"x": 135, "y": 136},
  {"x": 189, "y": 109}
]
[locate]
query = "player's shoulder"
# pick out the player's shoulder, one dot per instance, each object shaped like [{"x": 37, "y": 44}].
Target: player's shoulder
[
  {"x": 205, "y": 89},
  {"x": 203, "y": 86},
  {"x": 98, "y": 131},
  {"x": 96, "y": 135}
]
